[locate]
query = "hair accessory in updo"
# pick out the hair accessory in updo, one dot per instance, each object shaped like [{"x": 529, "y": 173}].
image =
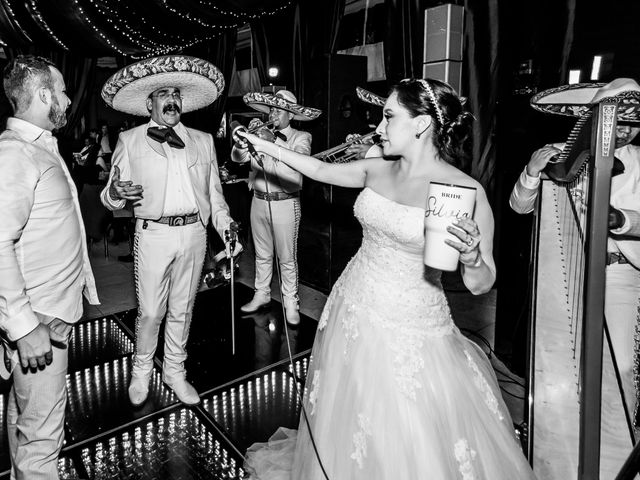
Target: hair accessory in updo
[{"x": 432, "y": 97}]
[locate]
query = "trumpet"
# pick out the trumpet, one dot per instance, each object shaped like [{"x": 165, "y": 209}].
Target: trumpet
[
  {"x": 270, "y": 124},
  {"x": 237, "y": 126},
  {"x": 338, "y": 154}
]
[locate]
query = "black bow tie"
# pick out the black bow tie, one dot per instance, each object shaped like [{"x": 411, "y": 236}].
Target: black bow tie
[
  {"x": 280, "y": 135},
  {"x": 165, "y": 134}
]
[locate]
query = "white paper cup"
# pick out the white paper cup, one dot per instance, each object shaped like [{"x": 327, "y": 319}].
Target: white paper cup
[{"x": 445, "y": 203}]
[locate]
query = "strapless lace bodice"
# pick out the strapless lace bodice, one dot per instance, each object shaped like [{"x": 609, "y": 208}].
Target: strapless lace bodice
[{"x": 386, "y": 285}]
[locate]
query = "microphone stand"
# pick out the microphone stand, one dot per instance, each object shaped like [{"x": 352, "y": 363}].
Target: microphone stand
[
  {"x": 256, "y": 156},
  {"x": 231, "y": 246}
]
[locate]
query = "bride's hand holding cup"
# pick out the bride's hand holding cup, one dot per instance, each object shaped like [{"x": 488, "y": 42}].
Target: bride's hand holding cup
[{"x": 467, "y": 232}]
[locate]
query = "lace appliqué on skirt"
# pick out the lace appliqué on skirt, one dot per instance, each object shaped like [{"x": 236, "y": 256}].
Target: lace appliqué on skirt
[
  {"x": 360, "y": 440},
  {"x": 484, "y": 387},
  {"x": 465, "y": 455},
  {"x": 315, "y": 388}
]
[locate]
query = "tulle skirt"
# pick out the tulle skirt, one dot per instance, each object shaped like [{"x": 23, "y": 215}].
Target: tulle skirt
[{"x": 436, "y": 414}]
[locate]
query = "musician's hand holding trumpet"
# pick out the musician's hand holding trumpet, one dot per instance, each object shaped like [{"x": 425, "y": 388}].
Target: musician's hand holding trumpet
[
  {"x": 256, "y": 127},
  {"x": 358, "y": 148}
]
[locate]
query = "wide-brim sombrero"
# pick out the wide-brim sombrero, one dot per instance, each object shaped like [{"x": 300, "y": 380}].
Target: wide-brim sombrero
[
  {"x": 370, "y": 97},
  {"x": 263, "y": 102},
  {"x": 200, "y": 83},
  {"x": 575, "y": 100}
]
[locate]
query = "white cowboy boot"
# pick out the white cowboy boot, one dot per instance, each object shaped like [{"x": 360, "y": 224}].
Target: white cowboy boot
[
  {"x": 291, "y": 310},
  {"x": 139, "y": 389},
  {"x": 258, "y": 301},
  {"x": 176, "y": 381}
]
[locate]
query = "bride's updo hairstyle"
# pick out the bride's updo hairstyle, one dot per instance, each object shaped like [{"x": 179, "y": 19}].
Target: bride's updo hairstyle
[{"x": 451, "y": 124}]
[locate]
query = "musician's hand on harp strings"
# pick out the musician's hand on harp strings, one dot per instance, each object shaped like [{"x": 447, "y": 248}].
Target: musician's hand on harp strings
[{"x": 540, "y": 158}]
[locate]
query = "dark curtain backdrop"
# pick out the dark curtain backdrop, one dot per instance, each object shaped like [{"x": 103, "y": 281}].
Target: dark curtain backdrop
[
  {"x": 481, "y": 76},
  {"x": 536, "y": 41},
  {"x": 403, "y": 42},
  {"x": 221, "y": 52},
  {"x": 315, "y": 33},
  {"x": 272, "y": 47},
  {"x": 260, "y": 45},
  {"x": 80, "y": 75}
]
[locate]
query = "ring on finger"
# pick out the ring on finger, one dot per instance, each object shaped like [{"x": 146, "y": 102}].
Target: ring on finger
[{"x": 469, "y": 241}]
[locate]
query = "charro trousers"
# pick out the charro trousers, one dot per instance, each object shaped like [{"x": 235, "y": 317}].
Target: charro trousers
[
  {"x": 622, "y": 299},
  {"x": 35, "y": 413},
  {"x": 168, "y": 264},
  {"x": 286, "y": 223}
]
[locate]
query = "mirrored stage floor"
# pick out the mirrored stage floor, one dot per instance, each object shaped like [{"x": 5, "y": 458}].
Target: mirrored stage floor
[{"x": 245, "y": 395}]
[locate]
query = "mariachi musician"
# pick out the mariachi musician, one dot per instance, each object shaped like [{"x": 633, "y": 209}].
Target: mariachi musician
[{"x": 276, "y": 193}]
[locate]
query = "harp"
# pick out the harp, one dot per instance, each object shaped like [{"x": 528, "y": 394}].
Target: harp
[{"x": 578, "y": 426}]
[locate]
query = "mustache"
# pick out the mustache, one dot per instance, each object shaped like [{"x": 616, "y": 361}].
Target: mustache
[{"x": 171, "y": 107}]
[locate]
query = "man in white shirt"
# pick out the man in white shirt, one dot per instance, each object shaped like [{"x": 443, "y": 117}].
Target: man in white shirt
[
  {"x": 44, "y": 266},
  {"x": 170, "y": 174}
]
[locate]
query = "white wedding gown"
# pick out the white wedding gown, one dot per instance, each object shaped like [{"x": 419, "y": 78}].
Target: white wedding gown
[{"x": 394, "y": 390}]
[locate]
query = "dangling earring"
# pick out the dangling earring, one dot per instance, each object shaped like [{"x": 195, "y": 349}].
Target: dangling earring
[{"x": 418, "y": 135}]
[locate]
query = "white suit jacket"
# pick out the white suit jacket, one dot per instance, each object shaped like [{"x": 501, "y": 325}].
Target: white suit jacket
[{"x": 144, "y": 162}]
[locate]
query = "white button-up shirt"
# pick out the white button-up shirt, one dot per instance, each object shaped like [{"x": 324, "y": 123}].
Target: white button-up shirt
[
  {"x": 44, "y": 265},
  {"x": 179, "y": 198}
]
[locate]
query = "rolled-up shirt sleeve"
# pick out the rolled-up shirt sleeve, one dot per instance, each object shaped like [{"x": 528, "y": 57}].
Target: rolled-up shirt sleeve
[
  {"x": 524, "y": 193},
  {"x": 19, "y": 176}
]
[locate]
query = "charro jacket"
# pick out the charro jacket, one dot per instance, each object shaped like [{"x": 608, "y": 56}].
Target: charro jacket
[{"x": 144, "y": 162}]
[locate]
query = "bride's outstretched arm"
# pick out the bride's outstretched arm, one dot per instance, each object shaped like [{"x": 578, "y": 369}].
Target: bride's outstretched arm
[{"x": 353, "y": 174}]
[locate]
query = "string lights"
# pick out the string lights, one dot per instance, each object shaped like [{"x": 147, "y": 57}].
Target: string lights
[
  {"x": 7, "y": 5},
  {"x": 120, "y": 27},
  {"x": 241, "y": 17},
  {"x": 37, "y": 16},
  {"x": 246, "y": 16},
  {"x": 96, "y": 29},
  {"x": 116, "y": 21},
  {"x": 124, "y": 28}
]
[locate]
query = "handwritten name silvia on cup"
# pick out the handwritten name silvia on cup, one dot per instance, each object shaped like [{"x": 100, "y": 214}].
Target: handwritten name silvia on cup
[{"x": 439, "y": 208}]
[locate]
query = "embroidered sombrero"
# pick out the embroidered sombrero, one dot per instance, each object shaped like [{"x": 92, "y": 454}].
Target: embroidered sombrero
[
  {"x": 369, "y": 97},
  {"x": 200, "y": 83},
  {"x": 575, "y": 100},
  {"x": 284, "y": 100}
]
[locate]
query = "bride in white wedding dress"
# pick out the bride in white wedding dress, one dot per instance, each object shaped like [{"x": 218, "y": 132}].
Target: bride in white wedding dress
[{"x": 394, "y": 390}]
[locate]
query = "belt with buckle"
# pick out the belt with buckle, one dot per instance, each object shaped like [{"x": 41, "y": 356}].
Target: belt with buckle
[
  {"x": 275, "y": 196},
  {"x": 616, "y": 257},
  {"x": 179, "y": 220}
]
